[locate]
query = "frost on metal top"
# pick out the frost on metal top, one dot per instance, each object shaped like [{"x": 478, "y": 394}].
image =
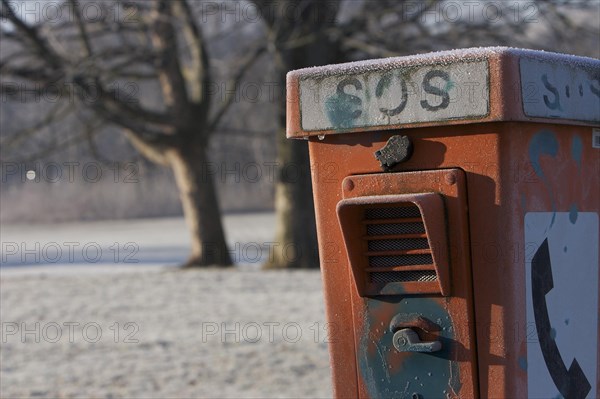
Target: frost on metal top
[{"x": 445, "y": 86}]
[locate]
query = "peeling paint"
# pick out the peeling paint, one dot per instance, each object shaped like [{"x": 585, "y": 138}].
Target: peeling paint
[
  {"x": 544, "y": 143},
  {"x": 343, "y": 108},
  {"x": 573, "y": 213},
  {"x": 389, "y": 373},
  {"x": 577, "y": 150},
  {"x": 523, "y": 363}
]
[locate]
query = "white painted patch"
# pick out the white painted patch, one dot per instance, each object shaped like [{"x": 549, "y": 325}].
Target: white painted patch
[
  {"x": 596, "y": 138},
  {"x": 553, "y": 89},
  {"x": 398, "y": 96},
  {"x": 572, "y": 303}
]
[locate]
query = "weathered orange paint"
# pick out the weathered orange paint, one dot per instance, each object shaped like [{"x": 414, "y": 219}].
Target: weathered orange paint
[{"x": 485, "y": 225}]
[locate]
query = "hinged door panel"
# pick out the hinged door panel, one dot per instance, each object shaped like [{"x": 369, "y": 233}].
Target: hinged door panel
[{"x": 406, "y": 237}]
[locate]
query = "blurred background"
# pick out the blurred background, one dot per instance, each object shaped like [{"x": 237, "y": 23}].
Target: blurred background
[{"x": 143, "y": 154}]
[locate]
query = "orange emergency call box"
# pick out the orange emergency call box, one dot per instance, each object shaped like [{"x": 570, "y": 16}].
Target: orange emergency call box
[{"x": 457, "y": 197}]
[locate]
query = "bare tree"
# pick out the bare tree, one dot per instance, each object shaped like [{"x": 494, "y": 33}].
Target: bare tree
[
  {"x": 163, "y": 44},
  {"x": 93, "y": 65},
  {"x": 287, "y": 21},
  {"x": 304, "y": 33}
]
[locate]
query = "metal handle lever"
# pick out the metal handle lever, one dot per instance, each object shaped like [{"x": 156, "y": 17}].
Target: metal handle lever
[{"x": 407, "y": 340}]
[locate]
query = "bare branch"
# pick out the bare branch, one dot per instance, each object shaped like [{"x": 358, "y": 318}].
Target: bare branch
[
  {"x": 81, "y": 28},
  {"x": 40, "y": 75},
  {"x": 245, "y": 66},
  {"x": 169, "y": 70},
  {"x": 32, "y": 34},
  {"x": 199, "y": 75},
  {"x": 90, "y": 134},
  {"x": 231, "y": 131},
  {"x": 154, "y": 151},
  {"x": 113, "y": 104},
  {"x": 368, "y": 48},
  {"x": 61, "y": 146},
  {"x": 56, "y": 114}
]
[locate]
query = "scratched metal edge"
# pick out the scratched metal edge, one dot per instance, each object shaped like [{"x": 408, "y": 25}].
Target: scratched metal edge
[{"x": 498, "y": 58}]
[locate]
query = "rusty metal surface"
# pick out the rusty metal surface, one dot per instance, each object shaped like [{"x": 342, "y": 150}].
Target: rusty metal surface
[
  {"x": 551, "y": 169},
  {"x": 453, "y": 369},
  {"x": 502, "y": 172},
  {"x": 335, "y": 268},
  {"x": 391, "y": 190},
  {"x": 521, "y": 188}
]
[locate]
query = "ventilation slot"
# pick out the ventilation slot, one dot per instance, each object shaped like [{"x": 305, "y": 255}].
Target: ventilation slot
[
  {"x": 392, "y": 277},
  {"x": 400, "y": 260},
  {"x": 398, "y": 249},
  {"x": 392, "y": 213},
  {"x": 398, "y": 245},
  {"x": 395, "y": 228}
]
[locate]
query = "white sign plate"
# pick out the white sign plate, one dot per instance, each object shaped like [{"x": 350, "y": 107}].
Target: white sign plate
[
  {"x": 560, "y": 90},
  {"x": 413, "y": 94},
  {"x": 562, "y": 304}
]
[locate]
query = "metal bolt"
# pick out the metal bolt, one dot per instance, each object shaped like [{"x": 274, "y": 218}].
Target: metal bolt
[
  {"x": 401, "y": 341},
  {"x": 348, "y": 185},
  {"x": 451, "y": 179}
]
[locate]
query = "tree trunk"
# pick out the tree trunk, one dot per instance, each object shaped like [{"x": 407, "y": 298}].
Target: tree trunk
[
  {"x": 200, "y": 208},
  {"x": 295, "y": 235},
  {"x": 296, "y": 231}
]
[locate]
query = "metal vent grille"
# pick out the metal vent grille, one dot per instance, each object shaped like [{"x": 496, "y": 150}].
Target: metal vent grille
[
  {"x": 398, "y": 245},
  {"x": 395, "y": 228},
  {"x": 396, "y": 239},
  {"x": 391, "y": 277},
  {"x": 393, "y": 213},
  {"x": 400, "y": 260}
]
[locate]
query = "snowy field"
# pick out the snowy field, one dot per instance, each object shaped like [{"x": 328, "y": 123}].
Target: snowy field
[{"x": 117, "y": 320}]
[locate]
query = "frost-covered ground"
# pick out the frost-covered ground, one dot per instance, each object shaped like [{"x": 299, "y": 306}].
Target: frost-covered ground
[
  {"x": 133, "y": 328},
  {"x": 160, "y": 242}
]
